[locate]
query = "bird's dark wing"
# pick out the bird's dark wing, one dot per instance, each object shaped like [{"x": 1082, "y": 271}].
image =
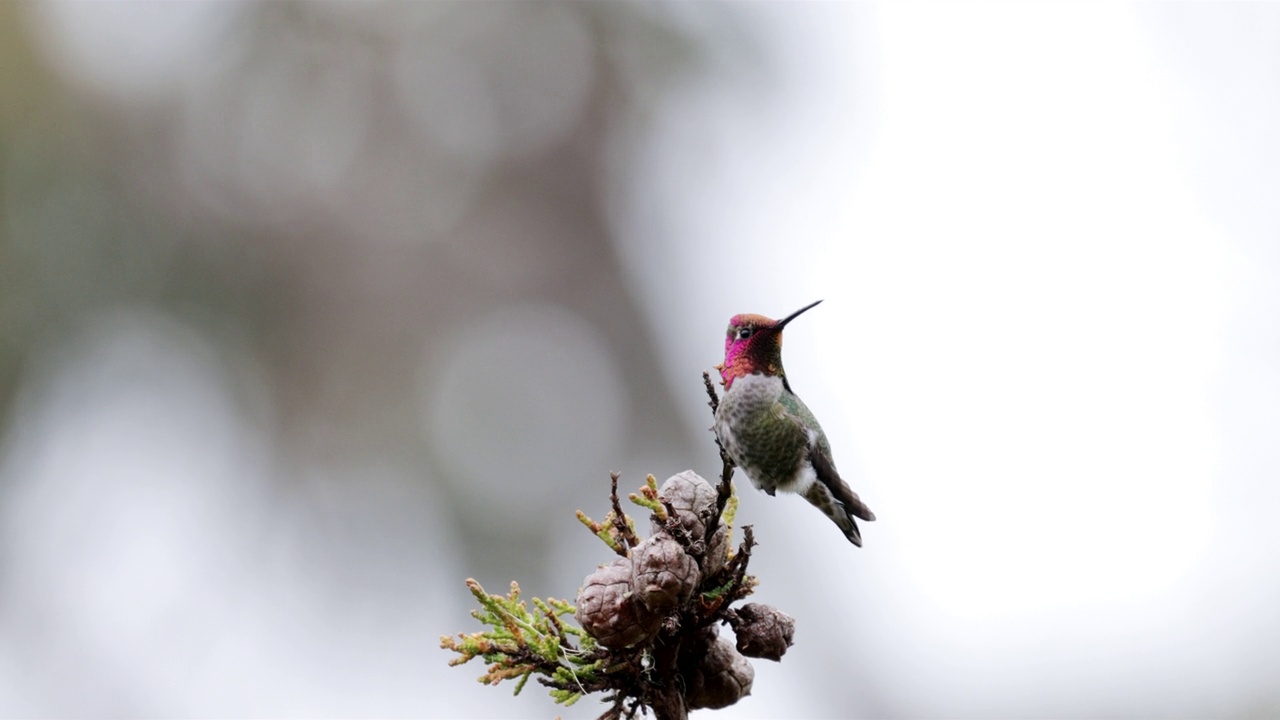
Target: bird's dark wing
[
  {"x": 827, "y": 475},
  {"x": 829, "y": 489}
]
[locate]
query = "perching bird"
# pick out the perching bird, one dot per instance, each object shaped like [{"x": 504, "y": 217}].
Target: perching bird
[{"x": 770, "y": 433}]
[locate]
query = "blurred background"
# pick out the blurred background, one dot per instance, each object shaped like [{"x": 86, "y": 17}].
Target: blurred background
[{"x": 310, "y": 311}]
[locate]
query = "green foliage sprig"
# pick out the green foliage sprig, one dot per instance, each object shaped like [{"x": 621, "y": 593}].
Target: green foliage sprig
[{"x": 521, "y": 642}]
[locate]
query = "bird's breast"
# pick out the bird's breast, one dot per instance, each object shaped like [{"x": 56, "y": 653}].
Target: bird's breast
[
  {"x": 747, "y": 397},
  {"x": 760, "y": 440}
]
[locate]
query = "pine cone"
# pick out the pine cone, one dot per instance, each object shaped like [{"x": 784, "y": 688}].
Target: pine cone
[
  {"x": 609, "y": 611},
  {"x": 692, "y": 498},
  {"x": 717, "y": 552},
  {"x": 663, "y": 574},
  {"x": 763, "y": 632},
  {"x": 716, "y": 675}
]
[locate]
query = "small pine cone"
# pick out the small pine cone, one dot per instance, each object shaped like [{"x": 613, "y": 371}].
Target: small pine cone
[
  {"x": 663, "y": 574},
  {"x": 691, "y": 497},
  {"x": 763, "y": 632},
  {"x": 609, "y": 611},
  {"x": 717, "y": 552},
  {"x": 716, "y": 676}
]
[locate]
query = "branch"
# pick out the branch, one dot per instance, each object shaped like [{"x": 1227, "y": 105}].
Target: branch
[
  {"x": 725, "y": 489},
  {"x": 647, "y": 634},
  {"x": 620, "y": 520}
]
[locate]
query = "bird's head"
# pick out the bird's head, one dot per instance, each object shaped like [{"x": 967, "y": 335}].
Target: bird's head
[{"x": 753, "y": 344}]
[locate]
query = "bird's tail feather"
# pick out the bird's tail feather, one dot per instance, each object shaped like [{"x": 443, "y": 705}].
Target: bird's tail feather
[
  {"x": 839, "y": 511},
  {"x": 834, "y": 497}
]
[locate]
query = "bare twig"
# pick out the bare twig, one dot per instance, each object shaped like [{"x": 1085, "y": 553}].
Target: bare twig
[
  {"x": 615, "y": 710},
  {"x": 695, "y": 546},
  {"x": 740, "y": 586},
  {"x": 725, "y": 488},
  {"x": 625, "y": 534},
  {"x": 711, "y": 392}
]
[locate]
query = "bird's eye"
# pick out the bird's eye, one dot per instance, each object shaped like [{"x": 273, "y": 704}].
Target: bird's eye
[{"x": 744, "y": 333}]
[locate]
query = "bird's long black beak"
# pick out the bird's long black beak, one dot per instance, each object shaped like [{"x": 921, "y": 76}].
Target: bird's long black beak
[{"x": 783, "y": 322}]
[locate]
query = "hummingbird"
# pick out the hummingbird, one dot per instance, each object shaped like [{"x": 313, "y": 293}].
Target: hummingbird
[{"x": 770, "y": 433}]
